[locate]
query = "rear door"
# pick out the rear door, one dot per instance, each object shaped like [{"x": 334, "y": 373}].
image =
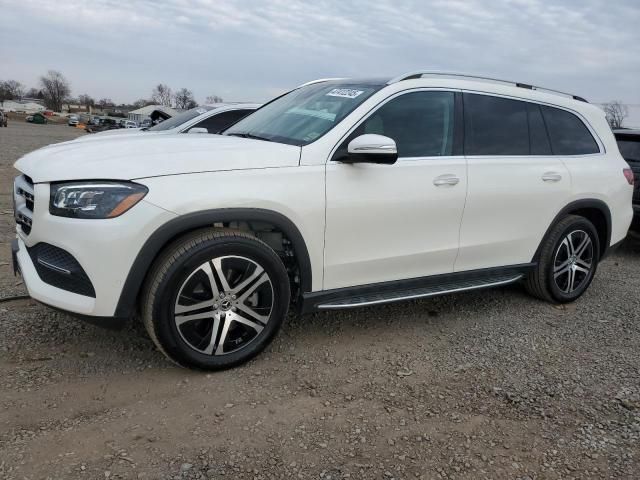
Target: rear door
[{"x": 516, "y": 185}]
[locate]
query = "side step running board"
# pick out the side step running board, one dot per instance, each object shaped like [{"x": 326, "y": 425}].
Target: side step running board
[{"x": 378, "y": 298}]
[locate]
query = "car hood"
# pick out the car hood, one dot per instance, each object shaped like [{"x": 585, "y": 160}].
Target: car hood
[
  {"x": 121, "y": 132},
  {"x": 140, "y": 156}
]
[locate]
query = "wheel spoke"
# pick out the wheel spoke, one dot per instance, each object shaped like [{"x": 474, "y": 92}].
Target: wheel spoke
[
  {"x": 206, "y": 268},
  {"x": 578, "y": 268},
  {"x": 214, "y": 336},
  {"x": 217, "y": 264},
  {"x": 571, "y": 282},
  {"x": 245, "y": 321},
  {"x": 583, "y": 246},
  {"x": 562, "y": 266},
  {"x": 564, "y": 270},
  {"x": 257, "y": 272},
  {"x": 584, "y": 263},
  {"x": 192, "y": 308},
  {"x": 572, "y": 249},
  {"x": 223, "y": 335},
  {"x": 181, "y": 319}
]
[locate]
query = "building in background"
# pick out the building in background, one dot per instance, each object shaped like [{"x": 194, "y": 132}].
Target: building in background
[{"x": 145, "y": 112}]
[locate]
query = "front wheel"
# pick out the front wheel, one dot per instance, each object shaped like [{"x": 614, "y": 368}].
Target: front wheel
[
  {"x": 215, "y": 299},
  {"x": 567, "y": 263}
]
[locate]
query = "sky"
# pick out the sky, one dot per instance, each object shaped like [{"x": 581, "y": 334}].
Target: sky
[{"x": 252, "y": 50}]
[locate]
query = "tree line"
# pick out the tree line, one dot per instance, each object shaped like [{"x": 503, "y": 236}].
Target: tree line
[{"x": 54, "y": 89}]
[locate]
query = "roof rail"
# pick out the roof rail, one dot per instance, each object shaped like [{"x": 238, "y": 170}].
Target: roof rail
[
  {"x": 425, "y": 73},
  {"x": 320, "y": 80}
]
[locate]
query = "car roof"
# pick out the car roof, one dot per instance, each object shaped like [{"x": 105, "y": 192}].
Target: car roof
[{"x": 471, "y": 82}]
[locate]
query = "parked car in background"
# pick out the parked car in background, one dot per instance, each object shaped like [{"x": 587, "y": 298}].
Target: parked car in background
[
  {"x": 629, "y": 145},
  {"x": 4, "y": 119},
  {"x": 339, "y": 194},
  {"x": 38, "y": 118},
  {"x": 130, "y": 124},
  {"x": 73, "y": 120},
  {"x": 203, "y": 119},
  {"x": 146, "y": 123},
  {"x": 103, "y": 125}
]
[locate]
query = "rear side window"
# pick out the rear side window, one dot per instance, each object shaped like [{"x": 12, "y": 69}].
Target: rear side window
[
  {"x": 222, "y": 121},
  {"x": 495, "y": 126},
  {"x": 568, "y": 134}
]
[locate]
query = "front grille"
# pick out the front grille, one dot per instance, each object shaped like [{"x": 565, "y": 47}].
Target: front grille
[
  {"x": 59, "y": 268},
  {"x": 23, "y": 202}
]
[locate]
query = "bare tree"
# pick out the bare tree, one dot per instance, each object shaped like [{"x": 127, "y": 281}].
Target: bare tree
[
  {"x": 11, "y": 90},
  {"x": 162, "y": 95},
  {"x": 86, "y": 100},
  {"x": 104, "y": 103},
  {"x": 34, "y": 93},
  {"x": 616, "y": 112},
  {"x": 142, "y": 103},
  {"x": 184, "y": 99},
  {"x": 55, "y": 88},
  {"x": 214, "y": 99}
]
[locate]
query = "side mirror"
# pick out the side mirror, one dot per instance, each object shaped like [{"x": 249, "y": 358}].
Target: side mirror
[
  {"x": 371, "y": 148},
  {"x": 198, "y": 130}
]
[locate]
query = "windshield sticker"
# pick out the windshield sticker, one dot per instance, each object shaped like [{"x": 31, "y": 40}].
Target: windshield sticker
[{"x": 344, "y": 93}]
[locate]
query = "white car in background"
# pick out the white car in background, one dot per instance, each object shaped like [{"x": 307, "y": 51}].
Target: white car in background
[
  {"x": 73, "y": 120},
  {"x": 203, "y": 119}
]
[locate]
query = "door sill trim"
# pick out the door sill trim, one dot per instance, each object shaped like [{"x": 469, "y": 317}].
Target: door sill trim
[{"x": 329, "y": 306}]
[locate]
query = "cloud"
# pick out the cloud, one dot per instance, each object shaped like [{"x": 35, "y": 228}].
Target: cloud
[{"x": 253, "y": 49}]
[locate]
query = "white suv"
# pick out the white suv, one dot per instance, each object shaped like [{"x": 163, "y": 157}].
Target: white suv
[{"x": 338, "y": 194}]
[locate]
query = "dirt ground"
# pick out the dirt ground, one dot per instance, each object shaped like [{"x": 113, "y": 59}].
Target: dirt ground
[{"x": 484, "y": 385}]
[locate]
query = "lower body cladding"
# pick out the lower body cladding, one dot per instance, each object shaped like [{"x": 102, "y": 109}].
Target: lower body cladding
[{"x": 80, "y": 266}]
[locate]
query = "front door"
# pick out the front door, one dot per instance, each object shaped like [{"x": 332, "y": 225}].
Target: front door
[{"x": 401, "y": 221}]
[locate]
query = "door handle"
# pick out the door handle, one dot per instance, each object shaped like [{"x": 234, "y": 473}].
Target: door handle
[
  {"x": 446, "y": 180},
  {"x": 551, "y": 177}
]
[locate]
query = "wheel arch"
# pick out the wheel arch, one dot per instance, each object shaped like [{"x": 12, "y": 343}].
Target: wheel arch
[
  {"x": 594, "y": 210},
  {"x": 179, "y": 226}
]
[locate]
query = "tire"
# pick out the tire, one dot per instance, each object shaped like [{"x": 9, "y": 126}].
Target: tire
[
  {"x": 566, "y": 266},
  {"x": 183, "y": 302}
]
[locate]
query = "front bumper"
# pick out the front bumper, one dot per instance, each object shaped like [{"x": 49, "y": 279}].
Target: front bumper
[{"x": 104, "y": 249}]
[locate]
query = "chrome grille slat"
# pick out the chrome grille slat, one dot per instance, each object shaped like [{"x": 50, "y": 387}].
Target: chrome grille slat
[{"x": 23, "y": 202}]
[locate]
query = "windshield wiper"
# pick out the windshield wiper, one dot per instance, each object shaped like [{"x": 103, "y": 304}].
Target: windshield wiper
[{"x": 249, "y": 135}]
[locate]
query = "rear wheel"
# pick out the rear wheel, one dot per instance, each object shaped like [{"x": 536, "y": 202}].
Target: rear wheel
[
  {"x": 215, "y": 299},
  {"x": 568, "y": 261}
]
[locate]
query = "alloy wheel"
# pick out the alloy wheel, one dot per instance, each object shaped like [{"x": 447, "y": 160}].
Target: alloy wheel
[
  {"x": 573, "y": 261},
  {"x": 223, "y": 305}
]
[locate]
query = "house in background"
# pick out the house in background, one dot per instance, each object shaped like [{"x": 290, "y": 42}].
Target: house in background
[{"x": 26, "y": 105}]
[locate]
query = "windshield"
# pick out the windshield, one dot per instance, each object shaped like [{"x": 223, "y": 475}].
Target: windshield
[
  {"x": 305, "y": 114},
  {"x": 179, "y": 119}
]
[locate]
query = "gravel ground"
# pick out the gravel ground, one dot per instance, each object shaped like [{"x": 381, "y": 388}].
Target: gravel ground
[{"x": 483, "y": 385}]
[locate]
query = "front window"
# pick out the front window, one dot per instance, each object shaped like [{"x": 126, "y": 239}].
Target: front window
[
  {"x": 179, "y": 119},
  {"x": 305, "y": 114}
]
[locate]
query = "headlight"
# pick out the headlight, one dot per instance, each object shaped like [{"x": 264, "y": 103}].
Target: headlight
[{"x": 94, "y": 200}]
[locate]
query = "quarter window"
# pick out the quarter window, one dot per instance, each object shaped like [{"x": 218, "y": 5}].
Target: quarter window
[
  {"x": 495, "y": 126},
  {"x": 222, "y": 121},
  {"x": 569, "y": 135},
  {"x": 421, "y": 123}
]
